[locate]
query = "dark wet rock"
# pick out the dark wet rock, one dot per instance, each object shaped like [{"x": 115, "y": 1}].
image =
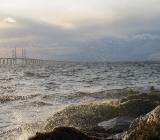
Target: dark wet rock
[
  {"x": 152, "y": 88},
  {"x": 63, "y": 133},
  {"x": 137, "y": 107},
  {"x": 116, "y": 125},
  {"x": 145, "y": 127}
]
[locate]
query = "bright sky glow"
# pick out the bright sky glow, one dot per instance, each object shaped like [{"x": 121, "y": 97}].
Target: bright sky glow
[{"x": 70, "y": 12}]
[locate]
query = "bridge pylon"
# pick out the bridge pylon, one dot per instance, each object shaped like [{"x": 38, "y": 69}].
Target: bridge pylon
[{"x": 22, "y": 59}]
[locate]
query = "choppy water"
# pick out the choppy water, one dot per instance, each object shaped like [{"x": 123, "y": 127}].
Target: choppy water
[{"x": 33, "y": 93}]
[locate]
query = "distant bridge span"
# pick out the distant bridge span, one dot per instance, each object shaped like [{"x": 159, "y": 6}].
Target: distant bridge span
[
  {"x": 22, "y": 59},
  {"x": 14, "y": 61}
]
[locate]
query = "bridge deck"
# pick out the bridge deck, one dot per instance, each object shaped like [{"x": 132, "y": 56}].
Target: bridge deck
[{"x": 13, "y": 61}]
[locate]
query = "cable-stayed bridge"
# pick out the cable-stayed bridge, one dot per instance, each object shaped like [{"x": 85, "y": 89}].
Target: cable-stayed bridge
[{"x": 23, "y": 59}]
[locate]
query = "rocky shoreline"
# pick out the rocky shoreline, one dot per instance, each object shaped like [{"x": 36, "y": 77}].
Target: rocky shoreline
[{"x": 126, "y": 119}]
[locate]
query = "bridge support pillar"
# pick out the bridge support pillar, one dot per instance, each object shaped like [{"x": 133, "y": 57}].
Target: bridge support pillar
[
  {"x": 3, "y": 61},
  {"x": 7, "y": 61},
  {"x": 10, "y": 61}
]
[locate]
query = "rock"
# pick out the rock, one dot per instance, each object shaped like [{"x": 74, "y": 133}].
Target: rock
[
  {"x": 87, "y": 116},
  {"x": 63, "y": 133},
  {"x": 116, "y": 125},
  {"x": 145, "y": 127},
  {"x": 82, "y": 116}
]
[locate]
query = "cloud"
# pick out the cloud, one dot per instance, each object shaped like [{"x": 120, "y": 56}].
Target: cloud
[
  {"x": 123, "y": 39},
  {"x": 40, "y": 38},
  {"x": 6, "y": 23},
  {"x": 71, "y": 13},
  {"x": 146, "y": 37},
  {"x": 9, "y": 20}
]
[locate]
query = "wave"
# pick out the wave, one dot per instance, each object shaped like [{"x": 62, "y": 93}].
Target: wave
[
  {"x": 22, "y": 132},
  {"x": 40, "y": 103},
  {"x": 9, "y": 98},
  {"x": 35, "y": 74},
  {"x": 99, "y": 95}
]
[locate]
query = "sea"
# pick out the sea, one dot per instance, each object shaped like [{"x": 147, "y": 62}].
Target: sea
[{"x": 32, "y": 93}]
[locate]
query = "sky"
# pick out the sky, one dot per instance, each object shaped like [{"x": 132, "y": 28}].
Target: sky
[{"x": 81, "y": 30}]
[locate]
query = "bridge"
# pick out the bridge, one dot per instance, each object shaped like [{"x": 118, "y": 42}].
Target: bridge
[{"x": 20, "y": 60}]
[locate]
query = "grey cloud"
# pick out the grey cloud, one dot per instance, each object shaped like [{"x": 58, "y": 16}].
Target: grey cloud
[
  {"x": 125, "y": 39},
  {"x": 146, "y": 37}
]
